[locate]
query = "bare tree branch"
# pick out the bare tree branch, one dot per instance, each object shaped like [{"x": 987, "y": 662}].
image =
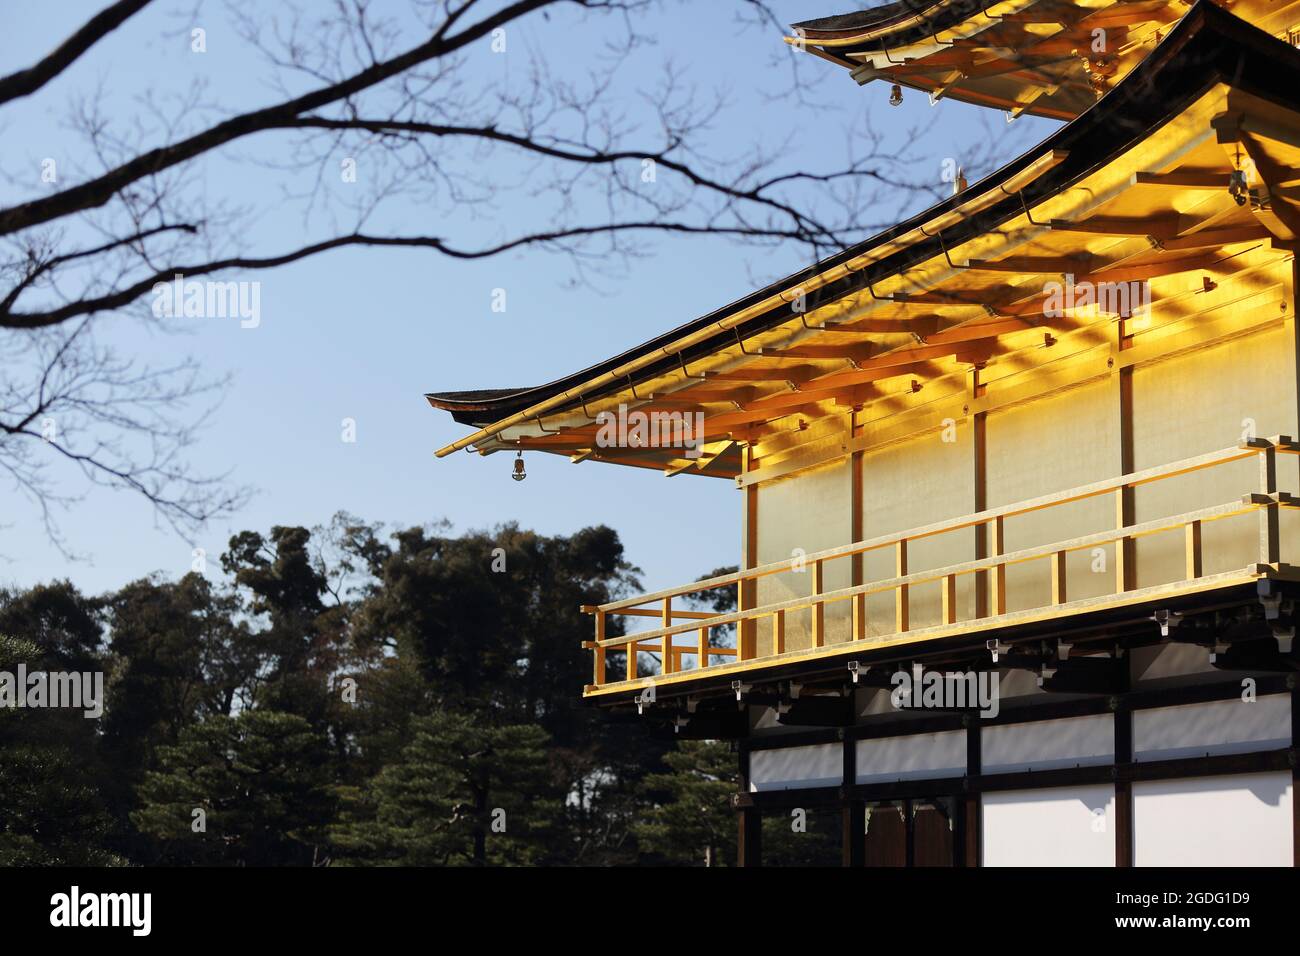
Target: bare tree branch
[{"x": 28, "y": 81}]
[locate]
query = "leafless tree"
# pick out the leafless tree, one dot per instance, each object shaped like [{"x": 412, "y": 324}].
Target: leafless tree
[{"x": 374, "y": 110}]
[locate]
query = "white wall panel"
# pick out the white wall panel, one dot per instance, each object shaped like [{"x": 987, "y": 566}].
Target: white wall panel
[
  {"x": 912, "y": 757},
  {"x": 1045, "y": 744},
  {"x": 1219, "y": 727},
  {"x": 806, "y": 513},
  {"x": 1241, "y": 820},
  {"x": 1061, "y": 826},
  {"x": 790, "y": 768}
]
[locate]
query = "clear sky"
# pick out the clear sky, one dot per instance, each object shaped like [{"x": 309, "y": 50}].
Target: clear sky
[{"x": 363, "y": 333}]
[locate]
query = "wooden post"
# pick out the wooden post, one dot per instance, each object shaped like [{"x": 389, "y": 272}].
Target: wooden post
[
  {"x": 1125, "y": 559},
  {"x": 1123, "y": 545},
  {"x": 857, "y": 561},
  {"x": 1192, "y": 540},
  {"x": 667, "y": 642},
  {"x": 949, "y": 584},
  {"x": 998, "y": 582},
  {"x": 1270, "y": 547},
  {"x": 702, "y": 651},
  {"x": 973, "y": 819},
  {"x": 1123, "y": 788},
  {"x": 778, "y": 632},
  {"x": 1058, "y": 578},
  {"x": 598, "y": 652},
  {"x": 853, "y": 813},
  {"x": 818, "y": 610},
  {"x": 853, "y": 833},
  {"x": 749, "y": 822},
  {"x": 979, "y": 454},
  {"x": 901, "y": 596},
  {"x": 747, "y": 590}
]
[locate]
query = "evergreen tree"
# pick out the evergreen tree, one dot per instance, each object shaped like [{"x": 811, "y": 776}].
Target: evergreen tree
[
  {"x": 51, "y": 809},
  {"x": 693, "y": 824},
  {"x": 462, "y": 794},
  {"x": 248, "y": 790}
]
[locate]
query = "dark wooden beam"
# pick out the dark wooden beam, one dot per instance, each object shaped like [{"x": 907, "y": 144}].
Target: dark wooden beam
[{"x": 1123, "y": 789}]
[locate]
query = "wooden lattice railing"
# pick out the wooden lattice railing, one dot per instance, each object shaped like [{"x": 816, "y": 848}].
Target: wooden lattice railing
[{"x": 1264, "y": 498}]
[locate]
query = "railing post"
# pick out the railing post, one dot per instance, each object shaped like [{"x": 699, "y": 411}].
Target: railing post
[
  {"x": 598, "y": 652},
  {"x": 631, "y": 660},
  {"x": 1192, "y": 541},
  {"x": 667, "y": 642},
  {"x": 859, "y": 616},
  {"x": 743, "y": 628},
  {"x": 1270, "y": 550},
  {"x": 818, "y": 610},
  {"x": 901, "y": 593},
  {"x": 702, "y": 651},
  {"x": 950, "y": 599},
  {"x": 1058, "y": 578},
  {"x": 998, "y": 579},
  {"x": 1124, "y": 565},
  {"x": 778, "y": 632}
]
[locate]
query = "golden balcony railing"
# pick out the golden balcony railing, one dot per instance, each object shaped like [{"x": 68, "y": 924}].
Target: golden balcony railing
[{"x": 991, "y": 576}]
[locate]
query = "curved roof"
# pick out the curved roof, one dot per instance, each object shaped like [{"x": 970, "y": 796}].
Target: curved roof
[
  {"x": 1208, "y": 46},
  {"x": 931, "y": 14}
]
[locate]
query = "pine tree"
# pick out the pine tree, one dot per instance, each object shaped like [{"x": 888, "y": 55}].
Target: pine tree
[
  {"x": 693, "y": 822},
  {"x": 462, "y": 794},
  {"x": 249, "y": 790}
]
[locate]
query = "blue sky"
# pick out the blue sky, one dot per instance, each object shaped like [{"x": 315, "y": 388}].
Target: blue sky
[{"x": 363, "y": 333}]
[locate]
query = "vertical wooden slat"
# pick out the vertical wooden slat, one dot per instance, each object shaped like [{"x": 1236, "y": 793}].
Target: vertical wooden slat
[
  {"x": 979, "y": 455},
  {"x": 1192, "y": 541},
  {"x": 1270, "y": 547},
  {"x": 598, "y": 652},
  {"x": 857, "y": 562},
  {"x": 818, "y": 610},
  {"x": 742, "y": 627},
  {"x": 702, "y": 649},
  {"x": 902, "y": 599},
  {"x": 747, "y": 591},
  {"x": 1058, "y": 578},
  {"x": 778, "y": 632},
  {"x": 667, "y": 618},
  {"x": 631, "y": 660},
  {"x": 1125, "y": 548},
  {"x": 949, "y": 585},
  {"x": 998, "y": 584}
]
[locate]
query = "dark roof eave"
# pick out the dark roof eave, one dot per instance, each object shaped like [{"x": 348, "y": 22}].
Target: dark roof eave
[
  {"x": 939, "y": 15},
  {"x": 1158, "y": 88}
]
